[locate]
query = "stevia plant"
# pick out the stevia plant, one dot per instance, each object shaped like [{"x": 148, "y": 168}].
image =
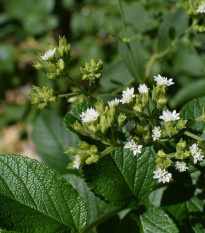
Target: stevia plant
[{"x": 132, "y": 164}]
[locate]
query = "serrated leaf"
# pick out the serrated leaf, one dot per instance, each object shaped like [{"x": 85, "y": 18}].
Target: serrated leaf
[
  {"x": 35, "y": 199},
  {"x": 122, "y": 177},
  {"x": 155, "y": 220},
  {"x": 193, "y": 110},
  {"x": 96, "y": 207},
  {"x": 51, "y": 141},
  {"x": 136, "y": 66}
]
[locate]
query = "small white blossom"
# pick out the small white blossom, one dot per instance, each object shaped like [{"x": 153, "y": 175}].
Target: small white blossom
[
  {"x": 143, "y": 89},
  {"x": 127, "y": 95},
  {"x": 114, "y": 102},
  {"x": 76, "y": 162},
  {"x": 201, "y": 8},
  {"x": 72, "y": 99},
  {"x": 130, "y": 125},
  {"x": 133, "y": 146},
  {"x": 196, "y": 153},
  {"x": 48, "y": 54},
  {"x": 163, "y": 81},
  {"x": 162, "y": 175},
  {"x": 180, "y": 166},
  {"x": 89, "y": 116},
  {"x": 156, "y": 133},
  {"x": 169, "y": 116}
]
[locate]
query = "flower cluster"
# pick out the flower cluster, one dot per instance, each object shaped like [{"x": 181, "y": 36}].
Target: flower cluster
[
  {"x": 201, "y": 8},
  {"x": 54, "y": 62},
  {"x": 196, "y": 153}
]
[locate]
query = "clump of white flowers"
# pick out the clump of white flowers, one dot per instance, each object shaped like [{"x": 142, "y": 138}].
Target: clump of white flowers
[
  {"x": 49, "y": 54},
  {"x": 160, "y": 80},
  {"x": 89, "y": 116},
  {"x": 169, "y": 116},
  {"x": 114, "y": 102},
  {"x": 143, "y": 89},
  {"x": 181, "y": 166},
  {"x": 201, "y": 8},
  {"x": 162, "y": 175},
  {"x": 127, "y": 95},
  {"x": 131, "y": 144},
  {"x": 196, "y": 153},
  {"x": 156, "y": 133}
]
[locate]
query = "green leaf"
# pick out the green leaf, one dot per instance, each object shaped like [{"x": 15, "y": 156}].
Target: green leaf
[
  {"x": 34, "y": 199},
  {"x": 96, "y": 207},
  {"x": 190, "y": 91},
  {"x": 176, "y": 22},
  {"x": 155, "y": 220},
  {"x": 193, "y": 110},
  {"x": 136, "y": 66},
  {"x": 51, "y": 141},
  {"x": 121, "y": 177}
]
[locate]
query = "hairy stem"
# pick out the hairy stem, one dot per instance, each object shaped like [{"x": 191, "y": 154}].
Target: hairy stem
[{"x": 101, "y": 219}]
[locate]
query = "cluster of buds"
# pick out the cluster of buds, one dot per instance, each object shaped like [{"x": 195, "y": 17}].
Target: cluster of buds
[
  {"x": 96, "y": 123},
  {"x": 196, "y": 10},
  {"x": 43, "y": 96},
  {"x": 88, "y": 154},
  {"x": 54, "y": 63},
  {"x": 92, "y": 70}
]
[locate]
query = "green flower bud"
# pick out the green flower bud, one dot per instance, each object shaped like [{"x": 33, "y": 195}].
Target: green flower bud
[
  {"x": 94, "y": 149},
  {"x": 121, "y": 119},
  {"x": 84, "y": 145},
  {"x": 161, "y": 102},
  {"x": 181, "y": 145},
  {"x": 43, "y": 96},
  {"x": 167, "y": 163},
  {"x": 72, "y": 151},
  {"x": 161, "y": 154},
  {"x": 79, "y": 128},
  {"x": 181, "y": 124},
  {"x": 138, "y": 108},
  {"x": 92, "y": 159},
  {"x": 92, "y": 70}
]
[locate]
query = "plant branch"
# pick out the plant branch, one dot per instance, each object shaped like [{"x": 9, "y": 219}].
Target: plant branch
[
  {"x": 101, "y": 219},
  {"x": 191, "y": 135},
  {"x": 137, "y": 76}
]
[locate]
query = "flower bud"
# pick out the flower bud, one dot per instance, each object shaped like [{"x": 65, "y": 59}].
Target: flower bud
[
  {"x": 92, "y": 159},
  {"x": 121, "y": 119}
]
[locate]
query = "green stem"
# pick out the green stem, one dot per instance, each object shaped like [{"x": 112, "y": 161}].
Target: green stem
[
  {"x": 69, "y": 95},
  {"x": 101, "y": 220},
  {"x": 191, "y": 135},
  {"x": 137, "y": 76}
]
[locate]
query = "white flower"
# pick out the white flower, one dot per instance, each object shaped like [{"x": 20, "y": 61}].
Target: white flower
[
  {"x": 72, "y": 99},
  {"x": 180, "y": 166},
  {"x": 169, "y": 116},
  {"x": 48, "y": 54},
  {"x": 76, "y": 162},
  {"x": 201, "y": 8},
  {"x": 89, "y": 116},
  {"x": 156, "y": 133},
  {"x": 143, "y": 89},
  {"x": 162, "y": 175},
  {"x": 196, "y": 153},
  {"x": 130, "y": 125},
  {"x": 114, "y": 102},
  {"x": 127, "y": 95},
  {"x": 163, "y": 80},
  {"x": 133, "y": 146}
]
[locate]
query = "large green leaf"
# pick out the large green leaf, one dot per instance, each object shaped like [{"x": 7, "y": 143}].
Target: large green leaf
[
  {"x": 34, "y": 199},
  {"x": 136, "y": 66},
  {"x": 155, "y": 220},
  {"x": 193, "y": 110},
  {"x": 51, "y": 141},
  {"x": 174, "y": 23},
  {"x": 96, "y": 207},
  {"x": 122, "y": 177},
  {"x": 190, "y": 91}
]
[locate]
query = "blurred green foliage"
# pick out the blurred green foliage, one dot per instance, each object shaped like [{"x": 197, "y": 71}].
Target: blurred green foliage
[{"x": 94, "y": 30}]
